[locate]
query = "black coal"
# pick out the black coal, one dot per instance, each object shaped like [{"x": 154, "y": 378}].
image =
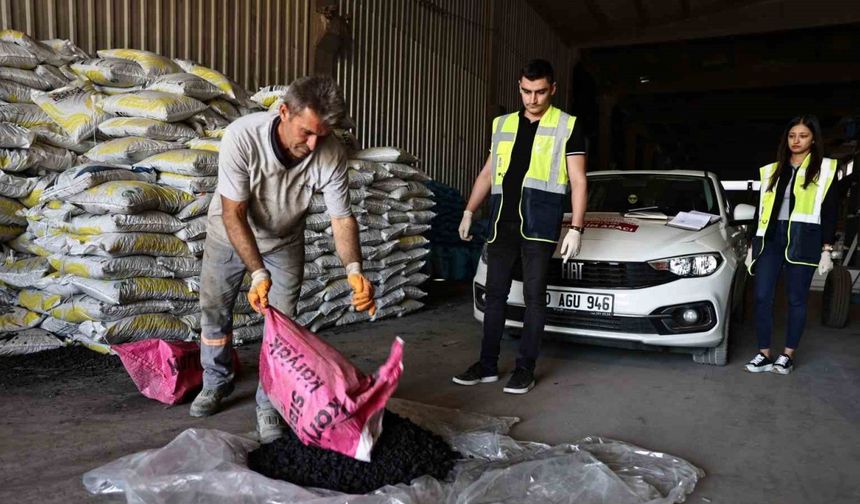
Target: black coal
[
  {"x": 403, "y": 452},
  {"x": 50, "y": 365}
]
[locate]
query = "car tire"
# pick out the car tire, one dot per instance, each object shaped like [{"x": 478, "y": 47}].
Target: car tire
[
  {"x": 718, "y": 355},
  {"x": 836, "y": 298}
]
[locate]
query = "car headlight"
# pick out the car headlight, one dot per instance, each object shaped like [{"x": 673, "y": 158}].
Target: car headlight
[{"x": 689, "y": 266}]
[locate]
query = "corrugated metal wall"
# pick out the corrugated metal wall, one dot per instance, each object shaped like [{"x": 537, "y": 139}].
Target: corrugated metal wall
[
  {"x": 256, "y": 42},
  {"x": 429, "y": 75},
  {"x": 426, "y": 75},
  {"x": 417, "y": 77}
]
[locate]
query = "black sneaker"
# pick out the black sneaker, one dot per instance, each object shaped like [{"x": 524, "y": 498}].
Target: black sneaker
[
  {"x": 521, "y": 382},
  {"x": 476, "y": 374},
  {"x": 783, "y": 365},
  {"x": 761, "y": 363}
]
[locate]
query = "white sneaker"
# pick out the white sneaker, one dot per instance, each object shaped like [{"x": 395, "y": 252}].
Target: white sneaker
[
  {"x": 783, "y": 365},
  {"x": 269, "y": 425},
  {"x": 761, "y": 363}
]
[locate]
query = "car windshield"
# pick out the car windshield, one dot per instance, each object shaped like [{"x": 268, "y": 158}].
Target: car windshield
[{"x": 664, "y": 193}]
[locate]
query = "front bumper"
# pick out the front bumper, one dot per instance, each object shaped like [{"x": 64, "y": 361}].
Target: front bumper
[{"x": 637, "y": 315}]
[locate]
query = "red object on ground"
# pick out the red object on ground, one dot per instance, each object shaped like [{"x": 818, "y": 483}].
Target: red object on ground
[
  {"x": 166, "y": 371},
  {"x": 326, "y": 400}
]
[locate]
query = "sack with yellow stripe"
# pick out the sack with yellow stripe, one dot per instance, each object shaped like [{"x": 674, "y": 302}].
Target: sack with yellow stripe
[
  {"x": 195, "y": 229},
  {"x": 185, "y": 84},
  {"x": 54, "y": 136},
  {"x": 12, "y": 55},
  {"x": 232, "y": 91},
  {"x": 137, "y": 327},
  {"x": 42, "y": 52},
  {"x": 153, "y": 64},
  {"x": 115, "y": 72},
  {"x": 14, "y": 318},
  {"x": 181, "y": 267},
  {"x": 154, "y": 105},
  {"x": 76, "y": 108},
  {"x": 23, "y": 272},
  {"x": 190, "y": 184},
  {"x": 9, "y": 212},
  {"x": 129, "y": 150},
  {"x": 18, "y": 160},
  {"x": 52, "y": 75},
  {"x": 53, "y": 158},
  {"x": 129, "y": 197},
  {"x": 40, "y": 301},
  {"x": 151, "y": 221},
  {"x": 154, "y": 129},
  {"x": 16, "y": 187},
  {"x": 191, "y": 162},
  {"x": 130, "y": 290},
  {"x": 268, "y": 95},
  {"x": 225, "y": 109},
  {"x": 208, "y": 144},
  {"x": 26, "y": 115},
  {"x": 114, "y": 244},
  {"x": 82, "y": 177},
  {"x": 12, "y": 92},
  {"x": 81, "y": 308},
  {"x": 196, "y": 208},
  {"x": 21, "y": 241},
  {"x": 13, "y": 136},
  {"x": 109, "y": 268},
  {"x": 27, "y": 78}
]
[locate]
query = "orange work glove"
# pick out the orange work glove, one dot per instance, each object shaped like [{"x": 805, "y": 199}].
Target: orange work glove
[
  {"x": 362, "y": 290},
  {"x": 258, "y": 296}
]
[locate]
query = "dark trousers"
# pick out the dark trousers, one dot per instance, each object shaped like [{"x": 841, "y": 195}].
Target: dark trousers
[
  {"x": 501, "y": 256},
  {"x": 769, "y": 265}
]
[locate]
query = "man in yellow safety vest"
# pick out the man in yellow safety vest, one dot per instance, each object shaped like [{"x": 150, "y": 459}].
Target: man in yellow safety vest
[{"x": 536, "y": 155}]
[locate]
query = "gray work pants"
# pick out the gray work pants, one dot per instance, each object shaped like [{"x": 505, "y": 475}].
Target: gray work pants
[{"x": 220, "y": 280}]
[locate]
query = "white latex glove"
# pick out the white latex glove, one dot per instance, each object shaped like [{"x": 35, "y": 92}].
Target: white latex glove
[
  {"x": 465, "y": 225},
  {"x": 825, "y": 264},
  {"x": 748, "y": 260},
  {"x": 571, "y": 245}
]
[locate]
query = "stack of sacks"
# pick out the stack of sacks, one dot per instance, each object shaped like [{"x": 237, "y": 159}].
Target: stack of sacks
[
  {"x": 392, "y": 207},
  {"x": 450, "y": 257},
  {"x": 33, "y": 151}
]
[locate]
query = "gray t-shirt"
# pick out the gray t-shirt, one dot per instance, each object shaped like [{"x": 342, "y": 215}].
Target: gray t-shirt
[
  {"x": 786, "y": 198},
  {"x": 278, "y": 197}
]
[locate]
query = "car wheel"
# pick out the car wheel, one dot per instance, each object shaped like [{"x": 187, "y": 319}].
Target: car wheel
[
  {"x": 836, "y": 298},
  {"x": 718, "y": 355}
]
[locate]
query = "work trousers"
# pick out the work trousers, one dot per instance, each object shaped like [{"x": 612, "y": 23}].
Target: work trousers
[
  {"x": 220, "y": 283},
  {"x": 502, "y": 254},
  {"x": 768, "y": 267}
]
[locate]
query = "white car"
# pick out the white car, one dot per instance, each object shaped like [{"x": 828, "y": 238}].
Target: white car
[{"x": 639, "y": 281}]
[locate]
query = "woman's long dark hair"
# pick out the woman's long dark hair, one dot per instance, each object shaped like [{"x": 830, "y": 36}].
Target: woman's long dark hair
[{"x": 783, "y": 154}]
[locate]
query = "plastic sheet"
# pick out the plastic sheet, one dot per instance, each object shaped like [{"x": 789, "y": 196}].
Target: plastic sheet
[{"x": 208, "y": 466}]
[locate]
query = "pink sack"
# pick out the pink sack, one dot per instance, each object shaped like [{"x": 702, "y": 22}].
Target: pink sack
[
  {"x": 326, "y": 400},
  {"x": 165, "y": 370}
]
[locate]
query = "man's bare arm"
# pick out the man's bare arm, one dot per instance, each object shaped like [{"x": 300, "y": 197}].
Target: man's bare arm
[
  {"x": 346, "y": 239},
  {"x": 235, "y": 217},
  {"x": 578, "y": 188},
  {"x": 481, "y": 187}
]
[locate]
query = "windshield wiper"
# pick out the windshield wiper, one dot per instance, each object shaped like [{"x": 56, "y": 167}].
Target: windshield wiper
[{"x": 650, "y": 212}]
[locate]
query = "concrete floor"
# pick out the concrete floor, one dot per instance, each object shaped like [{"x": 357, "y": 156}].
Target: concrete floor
[{"x": 760, "y": 438}]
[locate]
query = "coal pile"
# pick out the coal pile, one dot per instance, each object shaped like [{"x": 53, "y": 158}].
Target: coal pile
[
  {"x": 71, "y": 362},
  {"x": 402, "y": 453}
]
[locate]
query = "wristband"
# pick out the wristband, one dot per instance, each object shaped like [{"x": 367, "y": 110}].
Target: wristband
[
  {"x": 353, "y": 268},
  {"x": 579, "y": 229}
]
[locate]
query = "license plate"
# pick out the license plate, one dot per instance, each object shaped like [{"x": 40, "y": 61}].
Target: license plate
[{"x": 581, "y": 301}]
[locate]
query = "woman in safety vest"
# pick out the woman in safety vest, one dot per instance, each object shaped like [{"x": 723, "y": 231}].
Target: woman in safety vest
[{"x": 794, "y": 235}]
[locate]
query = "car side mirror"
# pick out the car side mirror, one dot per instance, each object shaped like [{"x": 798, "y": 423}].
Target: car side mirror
[{"x": 743, "y": 214}]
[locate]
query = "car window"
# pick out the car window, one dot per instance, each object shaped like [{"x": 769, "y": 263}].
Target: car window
[{"x": 669, "y": 193}]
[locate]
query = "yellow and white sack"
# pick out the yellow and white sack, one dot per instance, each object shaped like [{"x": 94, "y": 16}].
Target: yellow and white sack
[
  {"x": 231, "y": 90},
  {"x": 54, "y": 158},
  {"x": 137, "y": 327},
  {"x": 114, "y": 244},
  {"x": 154, "y": 129},
  {"x": 40, "y": 301},
  {"x": 17, "y": 160},
  {"x": 13, "y": 92},
  {"x": 153, "y": 64},
  {"x": 130, "y": 290},
  {"x": 154, "y": 105},
  {"x": 181, "y": 267},
  {"x": 129, "y": 150},
  {"x": 269, "y": 95},
  {"x": 76, "y": 108},
  {"x": 23, "y": 272},
  {"x": 13, "y": 55},
  {"x": 81, "y": 308},
  {"x": 209, "y": 144},
  {"x": 190, "y": 162},
  {"x": 190, "y": 184},
  {"x": 109, "y": 268},
  {"x": 114, "y": 72},
  {"x": 225, "y": 109},
  {"x": 82, "y": 177},
  {"x": 42, "y": 52},
  {"x": 27, "y": 115},
  {"x": 195, "y": 229},
  {"x": 128, "y": 196},
  {"x": 14, "y": 318},
  {"x": 16, "y": 187},
  {"x": 196, "y": 208},
  {"x": 52, "y": 75},
  {"x": 53, "y": 135},
  {"x": 66, "y": 50},
  {"x": 13, "y": 136},
  {"x": 186, "y": 84},
  {"x": 151, "y": 221},
  {"x": 9, "y": 209},
  {"x": 27, "y": 78}
]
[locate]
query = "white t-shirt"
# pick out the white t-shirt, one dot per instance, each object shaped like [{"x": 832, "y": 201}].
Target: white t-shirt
[
  {"x": 786, "y": 199},
  {"x": 278, "y": 197}
]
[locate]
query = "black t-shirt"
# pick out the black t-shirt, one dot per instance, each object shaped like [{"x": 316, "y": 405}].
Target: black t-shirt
[{"x": 520, "y": 158}]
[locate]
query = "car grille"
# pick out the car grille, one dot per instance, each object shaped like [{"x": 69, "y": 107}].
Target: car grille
[
  {"x": 603, "y": 275},
  {"x": 578, "y": 320}
]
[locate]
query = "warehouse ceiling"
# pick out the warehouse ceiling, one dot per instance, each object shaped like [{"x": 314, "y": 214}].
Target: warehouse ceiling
[{"x": 593, "y": 23}]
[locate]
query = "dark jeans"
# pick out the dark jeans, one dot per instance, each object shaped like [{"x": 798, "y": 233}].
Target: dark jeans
[
  {"x": 501, "y": 256},
  {"x": 798, "y": 277}
]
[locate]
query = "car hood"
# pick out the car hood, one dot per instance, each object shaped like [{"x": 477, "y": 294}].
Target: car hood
[{"x": 611, "y": 237}]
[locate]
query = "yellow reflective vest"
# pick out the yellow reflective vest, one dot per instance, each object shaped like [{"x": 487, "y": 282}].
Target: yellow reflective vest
[
  {"x": 804, "y": 221},
  {"x": 546, "y": 182}
]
